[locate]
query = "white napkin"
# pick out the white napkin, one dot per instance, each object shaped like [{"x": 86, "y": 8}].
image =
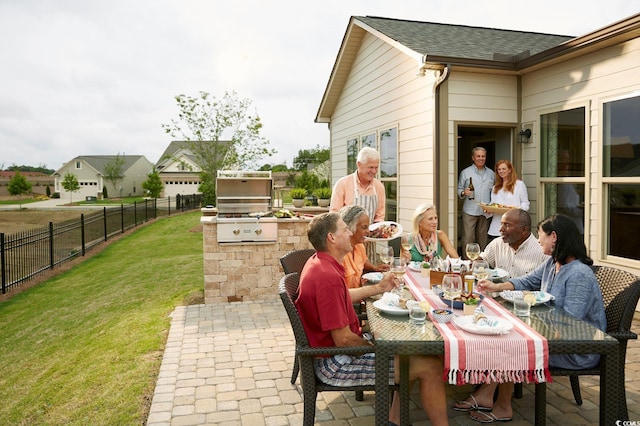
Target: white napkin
[{"x": 391, "y": 299}]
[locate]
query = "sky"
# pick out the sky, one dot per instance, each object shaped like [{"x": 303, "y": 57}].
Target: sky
[{"x": 98, "y": 77}]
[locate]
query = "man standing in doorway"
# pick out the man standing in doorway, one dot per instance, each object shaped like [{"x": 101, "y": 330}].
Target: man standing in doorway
[
  {"x": 475, "y": 223},
  {"x": 361, "y": 187}
]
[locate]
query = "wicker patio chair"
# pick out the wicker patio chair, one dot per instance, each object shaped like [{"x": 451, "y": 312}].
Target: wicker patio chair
[
  {"x": 620, "y": 292},
  {"x": 294, "y": 260},
  {"x": 311, "y": 385}
]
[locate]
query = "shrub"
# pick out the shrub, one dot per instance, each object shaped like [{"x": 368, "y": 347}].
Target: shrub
[
  {"x": 48, "y": 191},
  {"x": 298, "y": 193},
  {"x": 322, "y": 193},
  {"x": 104, "y": 193},
  {"x": 56, "y": 195}
]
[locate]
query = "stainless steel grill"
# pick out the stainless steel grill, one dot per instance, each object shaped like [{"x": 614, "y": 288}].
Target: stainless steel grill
[{"x": 245, "y": 207}]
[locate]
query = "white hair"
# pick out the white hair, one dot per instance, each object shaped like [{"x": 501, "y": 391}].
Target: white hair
[{"x": 367, "y": 153}]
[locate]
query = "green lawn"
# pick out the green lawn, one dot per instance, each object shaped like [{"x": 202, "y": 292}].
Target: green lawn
[{"x": 85, "y": 347}]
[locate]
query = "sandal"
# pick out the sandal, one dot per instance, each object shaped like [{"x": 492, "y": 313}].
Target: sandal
[
  {"x": 472, "y": 406},
  {"x": 489, "y": 417}
]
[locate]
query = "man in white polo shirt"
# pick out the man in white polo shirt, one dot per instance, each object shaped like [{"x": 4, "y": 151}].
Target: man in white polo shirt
[{"x": 517, "y": 251}]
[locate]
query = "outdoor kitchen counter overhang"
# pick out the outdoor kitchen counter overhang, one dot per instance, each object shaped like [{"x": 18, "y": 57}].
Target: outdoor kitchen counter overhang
[{"x": 239, "y": 271}]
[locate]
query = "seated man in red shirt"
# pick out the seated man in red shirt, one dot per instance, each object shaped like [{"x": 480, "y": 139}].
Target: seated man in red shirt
[{"x": 325, "y": 304}]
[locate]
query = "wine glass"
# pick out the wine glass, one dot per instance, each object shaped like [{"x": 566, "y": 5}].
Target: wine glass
[
  {"x": 386, "y": 254},
  {"x": 452, "y": 287},
  {"x": 480, "y": 270},
  {"x": 406, "y": 240},
  {"x": 398, "y": 269},
  {"x": 473, "y": 251}
]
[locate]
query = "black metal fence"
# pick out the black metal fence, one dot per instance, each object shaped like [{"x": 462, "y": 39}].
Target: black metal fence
[{"x": 26, "y": 254}]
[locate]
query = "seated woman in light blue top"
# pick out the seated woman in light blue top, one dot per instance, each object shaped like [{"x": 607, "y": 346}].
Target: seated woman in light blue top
[
  {"x": 567, "y": 276},
  {"x": 428, "y": 240}
]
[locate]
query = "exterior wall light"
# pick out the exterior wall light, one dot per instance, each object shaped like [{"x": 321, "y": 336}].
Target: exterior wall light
[{"x": 525, "y": 135}]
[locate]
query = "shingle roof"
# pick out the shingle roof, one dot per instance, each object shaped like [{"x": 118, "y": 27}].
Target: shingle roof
[
  {"x": 461, "y": 41},
  {"x": 99, "y": 162}
]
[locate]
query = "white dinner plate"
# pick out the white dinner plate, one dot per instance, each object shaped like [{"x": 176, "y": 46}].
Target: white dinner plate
[
  {"x": 541, "y": 296},
  {"x": 415, "y": 266},
  {"x": 388, "y": 309},
  {"x": 373, "y": 277},
  {"x": 376, "y": 225},
  {"x": 498, "y": 274},
  {"x": 466, "y": 323}
]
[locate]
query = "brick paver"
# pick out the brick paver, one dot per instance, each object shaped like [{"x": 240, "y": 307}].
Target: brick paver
[{"x": 231, "y": 364}]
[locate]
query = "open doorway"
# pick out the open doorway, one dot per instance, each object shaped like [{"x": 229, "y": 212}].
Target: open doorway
[{"x": 498, "y": 141}]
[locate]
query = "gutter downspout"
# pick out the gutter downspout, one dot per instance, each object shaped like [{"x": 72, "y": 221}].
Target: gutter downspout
[{"x": 444, "y": 76}]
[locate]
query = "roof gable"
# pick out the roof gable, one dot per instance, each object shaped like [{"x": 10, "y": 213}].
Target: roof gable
[
  {"x": 461, "y": 41},
  {"x": 479, "y": 49},
  {"x": 99, "y": 162},
  {"x": 184, "y": 148}
]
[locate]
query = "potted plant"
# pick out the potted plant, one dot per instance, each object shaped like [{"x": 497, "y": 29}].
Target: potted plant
[
  {"x": 426, "y": 269},
  {"x": 324, "y": 196},
  {"x": 470, "y": 305},
  {"x": 297, "y": 196}
]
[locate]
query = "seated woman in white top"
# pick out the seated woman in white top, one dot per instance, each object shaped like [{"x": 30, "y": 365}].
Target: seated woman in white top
[{"x": 507, "y": 190}]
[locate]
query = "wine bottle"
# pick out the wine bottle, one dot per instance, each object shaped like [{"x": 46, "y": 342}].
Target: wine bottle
[{"x": 471, "y": 189}]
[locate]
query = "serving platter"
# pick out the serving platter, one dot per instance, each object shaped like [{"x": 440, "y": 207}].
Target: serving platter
[
  {"x": 458, "y": 304},
  {"x": 500, "y": 209},
  {"x": 375, "y": 226}
]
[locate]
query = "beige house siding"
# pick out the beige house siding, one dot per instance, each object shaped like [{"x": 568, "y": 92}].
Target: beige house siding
[
  {"x": 476, "y": 99},
  {"x": 384, "y": 91},
  {"x": 90, "y": 181},
  {"x": 586, "y": 81}
]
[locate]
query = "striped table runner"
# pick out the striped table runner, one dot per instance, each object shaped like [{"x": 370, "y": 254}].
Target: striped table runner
[{"x": 522, "y": 355}]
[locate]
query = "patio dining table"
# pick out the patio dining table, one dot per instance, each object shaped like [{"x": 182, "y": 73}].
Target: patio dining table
[{"x": 396, "y": 335}]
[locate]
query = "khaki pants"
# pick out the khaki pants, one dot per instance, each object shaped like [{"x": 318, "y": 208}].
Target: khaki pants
[{"x": 475, "y": 229}]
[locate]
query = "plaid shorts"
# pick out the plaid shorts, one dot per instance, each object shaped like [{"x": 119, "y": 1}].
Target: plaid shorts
[{"x": 349, "y": 370}]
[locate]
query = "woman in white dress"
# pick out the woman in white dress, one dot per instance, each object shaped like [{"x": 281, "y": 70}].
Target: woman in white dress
[{"x": 507, "y": 190}]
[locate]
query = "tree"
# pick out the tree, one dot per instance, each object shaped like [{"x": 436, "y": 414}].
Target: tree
[
  {"x": 310, "y": 157},
  {"x": 70, "y": 184},
  {"x": 153, "y": 185},
  {"x": 223, "y": 133},
  {"x": 18, "y": 185},
  {"x": 113, "y": 171}
]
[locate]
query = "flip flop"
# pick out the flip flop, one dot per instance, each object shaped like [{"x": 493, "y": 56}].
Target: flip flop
[
  {"x": 489, "y": 417},
  {"x": 472, "y": 406}
]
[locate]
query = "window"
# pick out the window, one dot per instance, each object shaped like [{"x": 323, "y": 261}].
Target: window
[
  {"x": 78, "y": 165},
  {"x": 621, "y": 176},
  {"x": 389, "y": 170},
  {"x": 388, "y": 173},
  {"x": 563, "y": 163},
  {"x": 352, "y": 155}
]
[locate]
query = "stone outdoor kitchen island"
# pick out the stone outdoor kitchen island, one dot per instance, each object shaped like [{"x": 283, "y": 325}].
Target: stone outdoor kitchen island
[{"x": 235, "y": 272}]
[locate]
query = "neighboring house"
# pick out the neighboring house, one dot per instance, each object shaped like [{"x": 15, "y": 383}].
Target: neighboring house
[
  {"x": 179, "y": 170},
  {"x": 89, "y": 170},
  {"x": 424, "y": 94},
  {"x": 39, "y": 182}
]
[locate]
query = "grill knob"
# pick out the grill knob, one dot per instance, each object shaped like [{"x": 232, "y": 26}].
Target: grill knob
[
  {"x": 258, "y": 231},
  {"x": 236, "y": 231}
]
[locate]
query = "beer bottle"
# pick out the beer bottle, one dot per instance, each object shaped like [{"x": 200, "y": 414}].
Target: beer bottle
[{"x": 471, "y": 189}]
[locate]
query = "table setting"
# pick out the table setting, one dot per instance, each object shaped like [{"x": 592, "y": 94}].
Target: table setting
[{"x": 488, "y": 344}]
